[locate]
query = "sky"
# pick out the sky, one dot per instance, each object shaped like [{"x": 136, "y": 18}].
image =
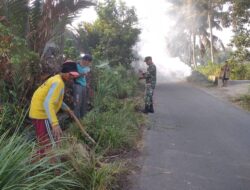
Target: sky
[{"x": 156, "y": 26}]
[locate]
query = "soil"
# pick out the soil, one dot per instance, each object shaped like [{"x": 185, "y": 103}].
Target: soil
[{"x": 231, "y": 92}]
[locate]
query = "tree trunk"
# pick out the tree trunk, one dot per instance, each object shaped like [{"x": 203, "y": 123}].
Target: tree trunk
[
  {"x": 190, "y": 51},
  {"x": 193, "y": 48},
  {"x": 211, "y": 30}
]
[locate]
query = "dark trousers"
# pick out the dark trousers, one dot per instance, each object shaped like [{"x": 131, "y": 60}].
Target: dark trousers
[{"x": 80, "y": 100}]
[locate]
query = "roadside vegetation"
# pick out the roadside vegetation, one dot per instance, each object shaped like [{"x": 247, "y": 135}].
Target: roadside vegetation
[
  {"x": 35, "y": 40},
  {"x": 243, "y": 101},
  {"x": 239, "y": 71},
  {"x": 32, "y": 49}
]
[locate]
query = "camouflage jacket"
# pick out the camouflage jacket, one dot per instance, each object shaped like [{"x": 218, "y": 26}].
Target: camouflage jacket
[{"x": 150, "y": 75}]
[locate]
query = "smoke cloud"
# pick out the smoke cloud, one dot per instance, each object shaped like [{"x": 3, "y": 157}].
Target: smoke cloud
[{"x": 156, "y": 26}]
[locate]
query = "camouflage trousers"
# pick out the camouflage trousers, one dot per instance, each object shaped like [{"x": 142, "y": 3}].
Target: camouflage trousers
[{"x": 149, "y": 92}]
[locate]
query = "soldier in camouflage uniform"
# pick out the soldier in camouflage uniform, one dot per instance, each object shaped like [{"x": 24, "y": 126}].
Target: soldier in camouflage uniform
[{"x": 150, "y": 77}]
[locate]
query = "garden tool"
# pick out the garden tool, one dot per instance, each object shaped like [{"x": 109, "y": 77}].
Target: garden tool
[{"x": 81, "y": 127}]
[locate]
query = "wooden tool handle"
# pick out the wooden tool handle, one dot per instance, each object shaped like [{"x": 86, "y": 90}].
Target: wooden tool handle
[{"x": 81, "y": 127}]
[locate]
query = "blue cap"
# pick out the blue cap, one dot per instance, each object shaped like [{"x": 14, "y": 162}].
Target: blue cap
[{"x": 87, "y": 57}]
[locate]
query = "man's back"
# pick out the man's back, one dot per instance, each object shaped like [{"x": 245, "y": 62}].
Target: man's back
[{"x": 47, "y": 99}]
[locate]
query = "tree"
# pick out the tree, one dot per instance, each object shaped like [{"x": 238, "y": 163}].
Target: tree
[
  {"x": 16, "y": 13},
  {"x": 52, "y": 21},
  {"x": 195, "y": 18},
  {"x": 112, "y": 36},
  {"x": 238, "y": 17},
  {"x": 42, "y": 24}
]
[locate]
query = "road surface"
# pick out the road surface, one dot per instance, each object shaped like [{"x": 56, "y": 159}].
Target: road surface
[{"x": 196, "y": 142}]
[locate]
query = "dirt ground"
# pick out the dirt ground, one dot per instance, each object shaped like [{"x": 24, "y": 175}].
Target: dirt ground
[{"x": 233, "y": 90}]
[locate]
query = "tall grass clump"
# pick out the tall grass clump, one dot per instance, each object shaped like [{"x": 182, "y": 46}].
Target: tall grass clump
[
  {"x": 19, "y": 171},
  {"x": 114, "y": 130},
  {"x": 89, "y": 172},
  {"x": 115, "y": 82},
  {"x": 20, "y": 167}
]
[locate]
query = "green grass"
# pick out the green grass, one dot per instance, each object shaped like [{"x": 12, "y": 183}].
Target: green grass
[
  {"x": 243, "y": 101},
  {"x": 90, "y": 175},
  {"x": 114, "y": 129},
  {"x": 19, "y": 171}
]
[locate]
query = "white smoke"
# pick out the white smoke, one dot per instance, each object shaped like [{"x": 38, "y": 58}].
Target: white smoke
[{"x": 156, "y": 26}]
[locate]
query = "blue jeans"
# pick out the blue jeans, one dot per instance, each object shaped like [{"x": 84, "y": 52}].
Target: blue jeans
[{"x": 80, "y": 100}]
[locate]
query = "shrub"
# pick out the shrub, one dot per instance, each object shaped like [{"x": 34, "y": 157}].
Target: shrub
[{"x": 239, "y": 71}]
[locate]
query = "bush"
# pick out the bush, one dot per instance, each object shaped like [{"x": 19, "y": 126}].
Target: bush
[
  {"x": 209, "y": 69},
  {"x": 12, "y": 117},
  {"x": 239, "y": 71}
]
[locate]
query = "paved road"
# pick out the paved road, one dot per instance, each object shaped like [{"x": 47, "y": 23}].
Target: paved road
[{"x": 197, "y": 142}]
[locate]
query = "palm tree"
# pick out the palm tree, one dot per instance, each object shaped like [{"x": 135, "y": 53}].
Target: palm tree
[
  {"x": 16, "y": 13},
  {"x": 42, "y": 22},
  {"x": 196, "y": 18},
  {"x": 210, "y": 28},
  {"x": 53, "y": 18}
]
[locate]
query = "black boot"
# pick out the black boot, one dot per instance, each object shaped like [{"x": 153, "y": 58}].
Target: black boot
[
  {"x": 151, "y": 108},
  {"x": 146, "y": 110}
]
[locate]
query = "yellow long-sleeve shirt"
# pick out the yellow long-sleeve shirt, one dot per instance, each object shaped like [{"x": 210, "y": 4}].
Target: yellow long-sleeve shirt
[{"x": 47, "y": 100}]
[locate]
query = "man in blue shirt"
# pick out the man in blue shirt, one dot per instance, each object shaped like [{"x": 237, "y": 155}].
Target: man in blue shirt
[{"x": 80, "y": 86}]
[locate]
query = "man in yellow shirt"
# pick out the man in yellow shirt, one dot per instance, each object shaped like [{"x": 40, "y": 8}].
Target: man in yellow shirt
[{"x": 46, "y": 102}]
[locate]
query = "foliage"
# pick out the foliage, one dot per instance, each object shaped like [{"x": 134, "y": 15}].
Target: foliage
[
  {"x": 39, "y": 24},
  {"x": 193, "y": 35},
  {"x": 243, "y": 101},
  {"x": 18, "y": 68},
  {"x": 18, "y": 171},
  {"x": 113, "y": 121},
  {"x": 53, "y": 18},
  {"x": 192, "y": 25},
  {"x": 112, "y": 36},
  {"x": 117, "y": 82},
  {"x": 7, "y": 113},
  {"x": 21, "y": 169},
  {"x": 238, "y": 71},
  {"x": 238, "y": 17},
  {"x": 13, "y": 47},
  {"x": 114, "y": 130},
  {"x": 209, "y": 69},
  {"x": 70, "y": 50},
  {"x": 16, "y": 13},
  {"x": 86, "y": 172}
]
